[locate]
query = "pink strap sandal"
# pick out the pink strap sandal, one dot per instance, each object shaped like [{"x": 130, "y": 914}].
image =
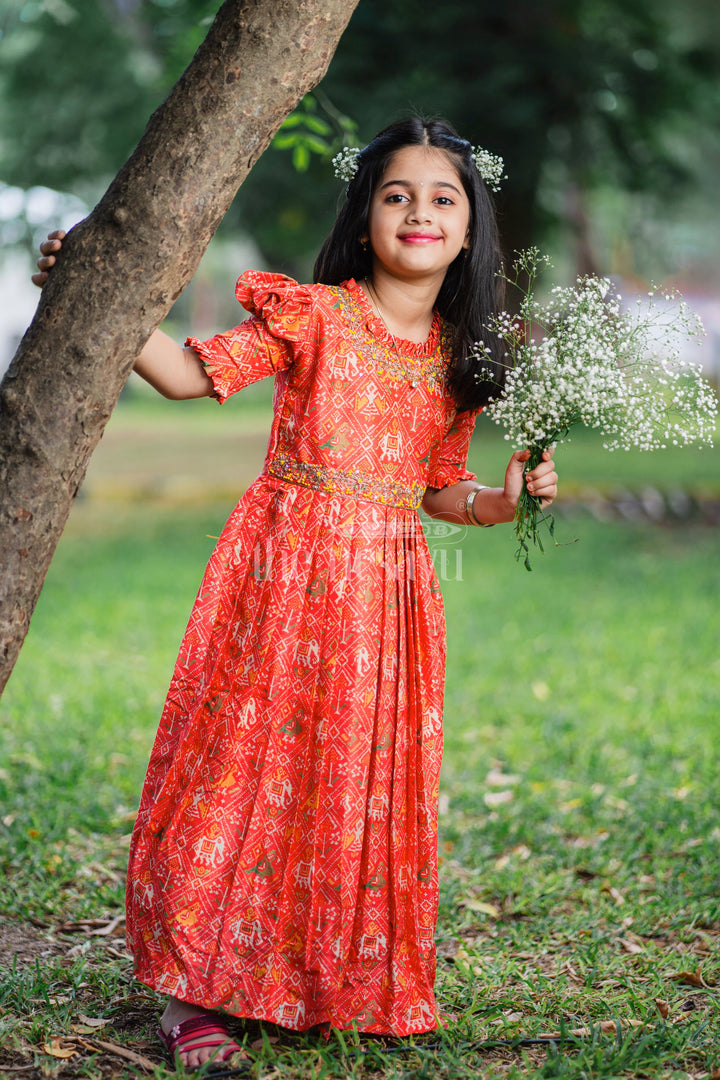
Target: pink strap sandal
[{"x": 183, "y": 1038}]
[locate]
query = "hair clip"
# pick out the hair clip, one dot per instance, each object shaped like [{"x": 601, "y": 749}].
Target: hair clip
[
  {"x": 345, "y": 164},
  {"x": 490, "y": 166}
]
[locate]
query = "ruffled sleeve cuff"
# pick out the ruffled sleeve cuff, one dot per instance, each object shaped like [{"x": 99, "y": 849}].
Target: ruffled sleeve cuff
[
  {"x": 450, "y": 474},
  {"x": 450, "y": 465},
  {"x": 219, "y": 373}
]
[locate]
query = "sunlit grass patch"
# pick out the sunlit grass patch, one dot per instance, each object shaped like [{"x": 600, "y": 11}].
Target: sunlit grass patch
[{"x": 579, "y": 816}]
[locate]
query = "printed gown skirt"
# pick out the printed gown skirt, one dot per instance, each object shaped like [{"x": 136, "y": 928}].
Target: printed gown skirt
[{"x": 284, "y": 860}]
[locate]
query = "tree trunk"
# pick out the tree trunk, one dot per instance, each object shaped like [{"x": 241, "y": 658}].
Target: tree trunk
[{"x": 122, "y": 268}]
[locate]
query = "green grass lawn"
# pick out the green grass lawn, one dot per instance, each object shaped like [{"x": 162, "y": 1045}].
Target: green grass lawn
[{"x": 579, "y": 807}]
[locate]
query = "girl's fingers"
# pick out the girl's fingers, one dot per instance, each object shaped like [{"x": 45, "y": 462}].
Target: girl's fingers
[
  {"x": 544, "y": 491},
  {"x": 542, "y": 486},
  {"x": 44, "y": 265},
  {"x": 47, "y": 260},
  {"x": 541, "y": 475},
  {"x": 542, "y": 480}
]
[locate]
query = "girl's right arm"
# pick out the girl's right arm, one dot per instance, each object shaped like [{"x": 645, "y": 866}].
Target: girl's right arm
[{"x": 174, "y": 371}]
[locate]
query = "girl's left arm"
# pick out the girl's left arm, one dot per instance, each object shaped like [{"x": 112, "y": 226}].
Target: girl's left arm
[{"x": 492, "y": 506}]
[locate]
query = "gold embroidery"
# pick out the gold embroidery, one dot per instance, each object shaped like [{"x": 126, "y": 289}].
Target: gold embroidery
[
  {"x": 385, "y": 361},
  {"x": 347, "y": 482}
]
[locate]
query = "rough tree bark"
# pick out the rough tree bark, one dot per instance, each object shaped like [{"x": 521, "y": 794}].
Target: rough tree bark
[{"x": 123, "y": 267}]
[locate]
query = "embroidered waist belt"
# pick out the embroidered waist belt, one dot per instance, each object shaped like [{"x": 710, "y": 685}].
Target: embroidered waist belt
[{"x": 352, "y": 482}]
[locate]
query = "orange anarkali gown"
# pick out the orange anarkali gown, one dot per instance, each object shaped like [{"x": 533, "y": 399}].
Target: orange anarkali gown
[{"x": 284, "y": 860}]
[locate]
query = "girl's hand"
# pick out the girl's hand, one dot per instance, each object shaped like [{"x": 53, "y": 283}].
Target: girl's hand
[
  {"x": 50, "y": 249},
  {"x": 541, "y": 482},
  {"x": 175, "y": 372}
]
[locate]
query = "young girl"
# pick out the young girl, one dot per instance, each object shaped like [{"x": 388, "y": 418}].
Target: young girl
[{"x": 283, "y": 864}]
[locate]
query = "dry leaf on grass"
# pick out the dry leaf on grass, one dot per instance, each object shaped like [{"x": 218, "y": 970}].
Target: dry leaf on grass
[
  {"x": 56, "y": 1049},
  {"x": 631, "y": 946},
  {"x": 498, "y": 798},
  {"x": 81, "y": 949},
  {"x": 92, "y": 1021},
  {"x": 568, "y": 971},
  {"x": 691, "y": 978},
  {"x": 480, "y": 906},
  {"x": 520, "y": 851},
  {"x": 606, "y": 1027}
]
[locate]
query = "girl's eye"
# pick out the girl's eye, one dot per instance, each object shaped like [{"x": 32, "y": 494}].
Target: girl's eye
[
  {"x": 444, "y": 200},
  {"x": 397, "y": 196}
]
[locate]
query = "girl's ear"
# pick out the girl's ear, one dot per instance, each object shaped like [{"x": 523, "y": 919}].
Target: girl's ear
[
  {"x": 364, "y": 240},
  {"x": 466, "y": 241}
]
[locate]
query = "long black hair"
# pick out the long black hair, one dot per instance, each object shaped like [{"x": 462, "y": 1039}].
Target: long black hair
[{"x": 472, "y": 290}]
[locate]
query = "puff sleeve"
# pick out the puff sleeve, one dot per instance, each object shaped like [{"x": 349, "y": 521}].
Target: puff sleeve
[
  {"x": 282, "y": 314},
  {"x": 449, "y": 464}
]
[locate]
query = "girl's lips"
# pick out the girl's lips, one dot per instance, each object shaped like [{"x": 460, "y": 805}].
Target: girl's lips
[{"x": 418, "y": 238}]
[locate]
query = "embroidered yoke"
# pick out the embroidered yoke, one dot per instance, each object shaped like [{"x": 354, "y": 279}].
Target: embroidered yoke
[{"x": 284, "y": 863}]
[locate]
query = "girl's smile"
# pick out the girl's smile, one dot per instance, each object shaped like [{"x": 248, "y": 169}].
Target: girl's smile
[{"x": 419, "y": 238}]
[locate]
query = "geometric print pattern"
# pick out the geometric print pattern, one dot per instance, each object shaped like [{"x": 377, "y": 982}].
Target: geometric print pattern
[{"x": 284, "y": 860}]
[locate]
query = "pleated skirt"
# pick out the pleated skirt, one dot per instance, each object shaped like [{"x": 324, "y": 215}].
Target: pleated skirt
[{"x": 284, "y": 860}]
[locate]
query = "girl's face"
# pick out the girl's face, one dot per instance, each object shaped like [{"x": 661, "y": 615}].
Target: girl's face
[{"x": 419, "y": 217}]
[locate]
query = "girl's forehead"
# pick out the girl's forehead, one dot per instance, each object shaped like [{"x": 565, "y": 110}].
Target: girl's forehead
[{"x": 421, "y": 163}]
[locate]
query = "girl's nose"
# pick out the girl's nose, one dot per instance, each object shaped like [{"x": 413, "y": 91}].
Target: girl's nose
[{"x": 420, "y": 212}]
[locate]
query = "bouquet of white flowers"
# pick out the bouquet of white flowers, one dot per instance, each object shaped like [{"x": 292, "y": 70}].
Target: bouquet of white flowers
[{"x": 579, "y": 358}]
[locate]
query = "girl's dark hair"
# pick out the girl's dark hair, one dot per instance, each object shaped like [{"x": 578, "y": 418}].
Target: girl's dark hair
[{"x": 472, "y": 289}]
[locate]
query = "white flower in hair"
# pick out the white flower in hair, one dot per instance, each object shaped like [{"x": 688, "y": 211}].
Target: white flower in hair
[
  {"x": 490, "y": 166},
  {"x": 345, "y": 164}
]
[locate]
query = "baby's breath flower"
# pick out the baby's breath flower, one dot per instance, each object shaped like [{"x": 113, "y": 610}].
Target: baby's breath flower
[
  {"x": 345, "y": 163},
  {"x": 490, "y": 166},
  {"x": 620, "y": 372}
]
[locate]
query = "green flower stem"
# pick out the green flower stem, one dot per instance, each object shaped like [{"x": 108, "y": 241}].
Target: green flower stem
[{"x": 529, "y": 514}]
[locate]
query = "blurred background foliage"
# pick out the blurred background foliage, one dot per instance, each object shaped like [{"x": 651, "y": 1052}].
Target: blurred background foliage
[{"x": 604, "y": 110}]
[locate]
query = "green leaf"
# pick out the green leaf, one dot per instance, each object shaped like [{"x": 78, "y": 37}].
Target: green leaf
[
  {"x": 292, "y": 121},
  {"x": 317, "y": 146},
  {"x": 301, "y": 157},
  {"x": 285, "y": 142},
  {"x": 318, "y": 125}
]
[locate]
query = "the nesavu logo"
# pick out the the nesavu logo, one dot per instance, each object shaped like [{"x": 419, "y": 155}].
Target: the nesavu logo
[
  {"x": 445, "y": 541},
  {"x": 443, "y": 531}
]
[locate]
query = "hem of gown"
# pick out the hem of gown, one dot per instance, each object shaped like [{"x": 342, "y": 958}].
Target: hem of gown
[{"x": 325, "y": 1020}]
